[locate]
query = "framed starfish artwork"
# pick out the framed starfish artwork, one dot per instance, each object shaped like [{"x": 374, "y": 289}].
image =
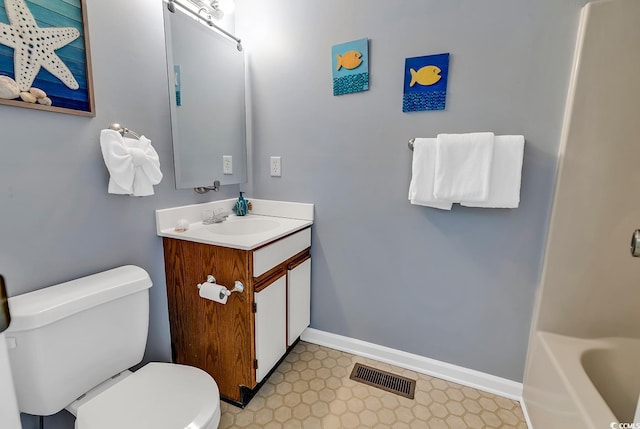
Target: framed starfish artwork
[{"x": 44, "y": 56}]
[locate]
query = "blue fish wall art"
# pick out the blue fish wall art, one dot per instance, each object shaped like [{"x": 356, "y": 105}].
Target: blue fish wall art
[
  {"x": 425, "y": 83},
  {"x": 350, "y": 63}
]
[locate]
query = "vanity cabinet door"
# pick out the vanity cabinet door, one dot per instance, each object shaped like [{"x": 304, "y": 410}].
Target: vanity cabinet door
[
  {"x": 271, "y": 326},
  {"x": 298, "y": 299}
]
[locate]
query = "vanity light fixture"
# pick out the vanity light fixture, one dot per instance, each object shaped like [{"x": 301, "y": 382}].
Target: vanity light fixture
[
  {"x": 224, "y": 6},
  {"x": 207, "y": 11},
  {"x": 216, "y": 9}
]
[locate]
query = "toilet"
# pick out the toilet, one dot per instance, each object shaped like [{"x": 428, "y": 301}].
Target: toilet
[{"x": 70, "y": 347}]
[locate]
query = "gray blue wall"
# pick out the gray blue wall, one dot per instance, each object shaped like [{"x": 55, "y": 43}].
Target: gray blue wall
[{"x": 455, "y": 286}]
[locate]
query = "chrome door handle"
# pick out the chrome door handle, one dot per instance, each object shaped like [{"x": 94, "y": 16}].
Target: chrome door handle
[{"x": 635, "y": 243}]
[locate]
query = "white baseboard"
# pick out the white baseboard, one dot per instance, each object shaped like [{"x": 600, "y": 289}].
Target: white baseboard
[{"x": 423, "y": 365}]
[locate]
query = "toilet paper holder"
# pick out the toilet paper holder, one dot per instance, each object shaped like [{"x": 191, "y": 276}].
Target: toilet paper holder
[{"x": 237, "y": 286}]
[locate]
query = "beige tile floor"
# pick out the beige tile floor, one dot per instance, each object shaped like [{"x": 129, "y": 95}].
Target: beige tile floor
[{"x": 311, "y": 389}]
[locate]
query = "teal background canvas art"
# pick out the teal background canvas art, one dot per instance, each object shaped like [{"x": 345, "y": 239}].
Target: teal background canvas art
[
  {"x": 178, "y": 84},
  {"x": 43, "y": 50},
  {"x": 350, "y": 64},
  {"x": 425, "y": 83}
]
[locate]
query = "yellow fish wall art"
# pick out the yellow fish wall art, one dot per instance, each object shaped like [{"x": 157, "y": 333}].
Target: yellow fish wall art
[
  {"x": 425, "y": 83},
  {"x": 427, "y": 75},
  {"x": 350, "y": 67},
  {"x": 349, "y": 60}
]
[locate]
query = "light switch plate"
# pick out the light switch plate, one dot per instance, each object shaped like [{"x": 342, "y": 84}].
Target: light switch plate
[
  {"x": 227, "y": 164},
  {"x": 276, "y": 166}
]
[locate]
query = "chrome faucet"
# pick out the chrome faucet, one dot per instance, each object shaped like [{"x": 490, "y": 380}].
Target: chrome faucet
[{"x": 219, "y": 217}]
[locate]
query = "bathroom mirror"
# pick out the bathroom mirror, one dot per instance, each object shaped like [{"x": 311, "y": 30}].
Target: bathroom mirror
[{"x": 207, "y": 95}]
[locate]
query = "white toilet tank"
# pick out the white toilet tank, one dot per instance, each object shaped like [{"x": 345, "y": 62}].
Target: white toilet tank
[{"x": 65, "y": 339}]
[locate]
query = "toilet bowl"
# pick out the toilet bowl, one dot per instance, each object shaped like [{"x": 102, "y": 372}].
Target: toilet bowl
[
  {"x": 70, "y": 346},
  {"x": 159, "y": 395}
]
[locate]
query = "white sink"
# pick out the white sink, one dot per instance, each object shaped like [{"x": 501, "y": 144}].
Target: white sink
[
  {"x": 268, "y": 221},
  {"x": 239, "y": 232},
  {"x": 242, "y": 226}
]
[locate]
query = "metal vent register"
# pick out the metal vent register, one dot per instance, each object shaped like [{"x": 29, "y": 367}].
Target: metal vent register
[{"x": 384, "y": 380}]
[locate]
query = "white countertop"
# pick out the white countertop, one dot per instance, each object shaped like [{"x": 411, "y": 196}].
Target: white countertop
[
  {"x": 206, "y": 234},
  {"x": 271, "y": 213}
]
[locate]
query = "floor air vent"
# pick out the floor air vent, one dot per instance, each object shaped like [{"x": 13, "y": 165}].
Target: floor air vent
[{"x": 384, "y": 380}]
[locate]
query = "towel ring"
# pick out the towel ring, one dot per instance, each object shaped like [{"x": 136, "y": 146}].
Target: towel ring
[
  {"x": 123, "y": 130},
  {"x": 411, "y": 142}
]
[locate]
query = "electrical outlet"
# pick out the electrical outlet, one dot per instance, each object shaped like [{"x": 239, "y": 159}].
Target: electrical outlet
[
  {"x": 276, "y": 166},
  {"x": 227, "y": 164}
]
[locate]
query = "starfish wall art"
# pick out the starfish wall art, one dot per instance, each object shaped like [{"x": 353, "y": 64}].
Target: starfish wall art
[{"x": 43, "y": 55}]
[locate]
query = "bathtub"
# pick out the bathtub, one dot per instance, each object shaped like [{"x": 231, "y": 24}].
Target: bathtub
[{"x": 576, "y": 383}]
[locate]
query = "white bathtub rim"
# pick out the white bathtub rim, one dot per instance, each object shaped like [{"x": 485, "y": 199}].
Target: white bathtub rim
[{"x": 566, "y": 352}]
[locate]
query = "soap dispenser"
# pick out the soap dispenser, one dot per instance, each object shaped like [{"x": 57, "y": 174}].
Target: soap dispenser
[{"x": 241, "y": 207}]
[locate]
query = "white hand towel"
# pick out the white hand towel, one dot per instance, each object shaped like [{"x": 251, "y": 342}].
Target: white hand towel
[
  {"x": 422, "y": 175},
  {"x": 506, "y": 173},
  {"x": 133, "y": 164},
  {"x": 463, "y": 167}
]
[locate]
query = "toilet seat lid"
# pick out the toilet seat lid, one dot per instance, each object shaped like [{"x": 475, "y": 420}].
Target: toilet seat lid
[{"x": 157, "y": 396}]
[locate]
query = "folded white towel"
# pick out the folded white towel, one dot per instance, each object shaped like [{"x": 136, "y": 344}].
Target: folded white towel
[
  {"x": 422, "y": 175},
  {"x": 133, "y": 164},
  {"x": 463, "y": 167},
  {"x": 506, "y": 173}
]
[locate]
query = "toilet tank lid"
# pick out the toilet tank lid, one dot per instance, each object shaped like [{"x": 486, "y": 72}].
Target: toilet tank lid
[{"x": 44, "y": 306}]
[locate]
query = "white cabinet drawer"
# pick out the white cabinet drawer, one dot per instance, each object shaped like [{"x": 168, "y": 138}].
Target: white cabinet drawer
[{"x": 271, "y": 255}]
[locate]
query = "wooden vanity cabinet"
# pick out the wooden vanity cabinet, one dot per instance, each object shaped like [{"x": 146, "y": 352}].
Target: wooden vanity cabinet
[{"x": 240, "y": 342}]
